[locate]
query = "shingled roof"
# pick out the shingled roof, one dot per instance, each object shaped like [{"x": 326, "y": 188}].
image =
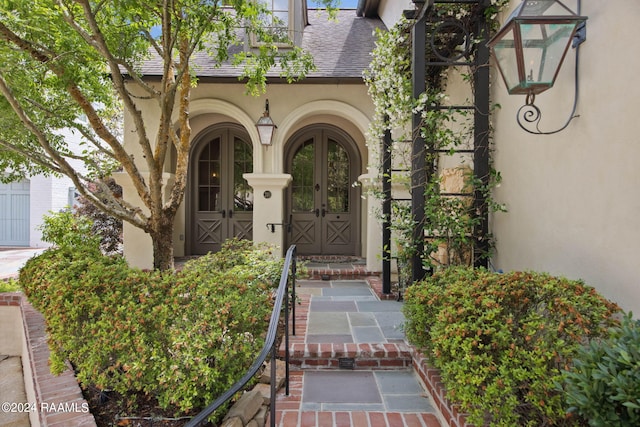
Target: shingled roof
[{"x": 341, "y": 49}]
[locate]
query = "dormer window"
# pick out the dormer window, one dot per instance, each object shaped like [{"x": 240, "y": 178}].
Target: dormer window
[{"x": 278, "y": 23}]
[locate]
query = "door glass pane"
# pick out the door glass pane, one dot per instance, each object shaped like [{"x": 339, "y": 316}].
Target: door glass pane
[
  {"x": 337, "y": 178},
  {"x": 302, "y": 186},
  {"x": 242, "y": 163},
  {"x": 209, "y": 177}
]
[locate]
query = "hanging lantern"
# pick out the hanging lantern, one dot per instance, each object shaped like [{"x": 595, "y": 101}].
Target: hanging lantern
[{"x": 530, "y": 47}]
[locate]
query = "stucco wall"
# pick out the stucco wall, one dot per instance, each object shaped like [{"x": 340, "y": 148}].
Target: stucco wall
[
  {"x": 390, "y": 11},
  {"x": 50, "y": 193},
  {"x": 574, "y": 205}
]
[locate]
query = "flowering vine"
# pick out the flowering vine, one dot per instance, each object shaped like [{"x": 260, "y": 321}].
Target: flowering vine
[{"x": 449, "y": 220}]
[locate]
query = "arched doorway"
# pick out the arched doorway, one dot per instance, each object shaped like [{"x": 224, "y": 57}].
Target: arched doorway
[
  {"x": 220, "y": 200},
  {"x": 323, "y": 204}
]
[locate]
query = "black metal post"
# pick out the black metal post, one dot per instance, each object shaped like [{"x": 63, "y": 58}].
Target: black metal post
[
  {"x": 293, "y": 297},
  {"x": 286, "y": 340},
  {"x": 274, "y": 381},
  {"x": 418, "y": 153},
  {"x": 481, "y": 140},
  {"x": 294, "y": 269},
  {"x": 386, "y": 211}
]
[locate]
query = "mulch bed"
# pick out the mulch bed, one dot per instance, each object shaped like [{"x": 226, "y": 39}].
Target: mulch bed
[{"x": 110, "y": 409}]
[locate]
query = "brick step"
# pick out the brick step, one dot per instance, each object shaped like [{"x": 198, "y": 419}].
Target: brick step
[
  {"x": 334, "y": 356},
  {"x": 335, "y": 267},
  {"x": 359, "y": 273}
]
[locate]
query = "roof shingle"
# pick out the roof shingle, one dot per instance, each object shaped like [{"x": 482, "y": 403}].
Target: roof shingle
[{"x": 340, "y": 48}]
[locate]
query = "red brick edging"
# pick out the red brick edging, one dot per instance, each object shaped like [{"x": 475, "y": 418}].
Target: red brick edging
[
  {"x": 59, "y": 400},
  {"x": 430, "y": 376}
]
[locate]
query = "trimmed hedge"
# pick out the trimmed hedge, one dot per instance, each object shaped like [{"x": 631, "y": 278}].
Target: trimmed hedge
[
  {"x": 182, "y": 338},
  {"x": 501, "y": 341}
]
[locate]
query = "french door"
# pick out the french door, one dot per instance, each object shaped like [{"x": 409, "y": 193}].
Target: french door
[
  {"x": 221, "y": 199},
  {"x": 322, "y": 201}
]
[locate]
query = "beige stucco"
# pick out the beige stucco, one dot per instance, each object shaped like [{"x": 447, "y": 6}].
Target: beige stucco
[
  {"x": 573, "y": 199},
  {"x": 390, "y": 11},
  {"x": 292, "y": 107}
]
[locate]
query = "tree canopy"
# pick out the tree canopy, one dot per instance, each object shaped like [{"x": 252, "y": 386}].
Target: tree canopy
[{"x": 76, "y": 65}]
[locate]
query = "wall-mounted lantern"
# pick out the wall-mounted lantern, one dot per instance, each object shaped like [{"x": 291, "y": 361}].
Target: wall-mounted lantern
[
  {"x": 530, "y": 47},
  {"x": 265, "y": 126}
]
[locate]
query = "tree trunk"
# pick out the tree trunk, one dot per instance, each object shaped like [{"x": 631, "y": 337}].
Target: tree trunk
[{"x": 162, "y": 238}]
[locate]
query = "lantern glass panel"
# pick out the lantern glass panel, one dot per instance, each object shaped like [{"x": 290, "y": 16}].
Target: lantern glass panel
[
  {"x": 543, "y": 48},
  {"x": 547, "y": 8},
  {"x": 505, "y": 53},
  {"x": 266, "y": 132}
]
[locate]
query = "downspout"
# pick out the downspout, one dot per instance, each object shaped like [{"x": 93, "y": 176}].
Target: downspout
[{"x": 367, "y": 8}]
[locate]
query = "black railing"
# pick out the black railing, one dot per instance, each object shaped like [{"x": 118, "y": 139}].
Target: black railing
[{"x": 269, "y": 345}]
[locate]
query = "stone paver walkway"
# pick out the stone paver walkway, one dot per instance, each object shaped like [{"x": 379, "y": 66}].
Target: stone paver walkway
[
  {"x": 343, "y": 323},
  {"x": 12, "y": 392}
]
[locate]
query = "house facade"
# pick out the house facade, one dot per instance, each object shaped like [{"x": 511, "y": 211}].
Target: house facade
[
  {"x": 571, "y": 197},
  {"x": 302, "y": 188}
]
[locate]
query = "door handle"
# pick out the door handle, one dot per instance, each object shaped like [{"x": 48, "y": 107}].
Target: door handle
[
  {"x": 318, "y": 213},
  {"x": 230, "y": 213},
  {"x": 224, "y": 213},
  {"x": 324, "y": 212}
]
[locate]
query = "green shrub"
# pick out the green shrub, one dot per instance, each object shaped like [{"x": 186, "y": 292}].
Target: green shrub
[
  {"x": 70, "y": 232},
  {"x": 603, "y": 386},
  {"x": 9, "y": 285},
  {"x": 182, "y": 338},
  {"x": 502, "y": 340}
]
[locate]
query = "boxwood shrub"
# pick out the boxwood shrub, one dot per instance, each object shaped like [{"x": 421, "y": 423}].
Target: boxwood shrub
[
  {"x": 603, "y": 385},
  {"x": 502, "y": 341},
  {"x": 182, "y": 338}
]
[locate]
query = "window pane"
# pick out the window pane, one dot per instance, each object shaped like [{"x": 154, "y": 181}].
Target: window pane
[
  {"x": 338, "y": 178},
  {"x": 280, "y": 4},
  {"x": 303, "y": 176},
  {"x": 277, "y": 24},
  {"x": 209, "y": 177},
  {"x": 242, "y": 163}
]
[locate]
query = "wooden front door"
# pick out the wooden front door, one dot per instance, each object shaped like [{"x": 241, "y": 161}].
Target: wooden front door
[
  {"x": 221, "y": 199},
  {"x": 323, "y": 203}
]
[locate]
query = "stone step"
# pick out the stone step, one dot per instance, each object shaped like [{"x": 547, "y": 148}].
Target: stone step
[
  {"x": 369, "y": 356},
  {"x": 355, "y": 398}
]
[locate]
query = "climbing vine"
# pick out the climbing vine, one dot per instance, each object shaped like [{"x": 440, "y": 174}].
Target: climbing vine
[{"x": 450, "y": 219}]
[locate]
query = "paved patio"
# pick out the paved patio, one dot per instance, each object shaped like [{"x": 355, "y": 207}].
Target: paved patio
[{"x": 343, "y": 321}]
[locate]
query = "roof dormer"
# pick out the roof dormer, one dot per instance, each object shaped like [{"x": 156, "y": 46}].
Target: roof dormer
[{"x": 286, "y": 21}]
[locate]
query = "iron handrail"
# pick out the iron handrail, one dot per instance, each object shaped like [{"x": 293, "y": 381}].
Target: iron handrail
[{"x": 269, "y": 346}]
